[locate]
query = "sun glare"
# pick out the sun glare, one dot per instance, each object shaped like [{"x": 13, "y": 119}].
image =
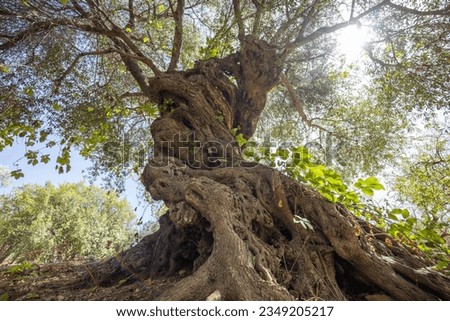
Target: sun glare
[{"x": 351, "y": 41}]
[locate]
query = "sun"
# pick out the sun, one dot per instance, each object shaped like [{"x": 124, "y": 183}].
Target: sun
[{"x": 351, "y": 41}]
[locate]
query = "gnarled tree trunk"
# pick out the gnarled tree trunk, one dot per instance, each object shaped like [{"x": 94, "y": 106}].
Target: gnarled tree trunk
[{"x": 229, "y": 229}]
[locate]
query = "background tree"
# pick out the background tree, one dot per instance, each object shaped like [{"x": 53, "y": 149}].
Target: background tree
[
  {"x": 88, "y": 71},
  {"x": 5, "y": 176},
  {"x": 71, "y": 221}
]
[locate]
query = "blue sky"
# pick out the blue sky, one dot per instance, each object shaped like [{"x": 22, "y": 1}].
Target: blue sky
[{"x": 42, "y": 173}]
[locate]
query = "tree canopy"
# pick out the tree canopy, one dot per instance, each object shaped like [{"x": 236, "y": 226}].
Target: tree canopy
[{"x": 81, "y": 69}]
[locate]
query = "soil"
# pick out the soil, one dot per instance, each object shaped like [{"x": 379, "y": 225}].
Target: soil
[{"x": 61, "y": 282}]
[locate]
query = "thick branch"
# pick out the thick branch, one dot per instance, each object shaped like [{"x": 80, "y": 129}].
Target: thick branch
[
  {"x": 178, "y": 35},
  {"x": 258, "y": 13},
  {"x": 238, "y": 15},
  {"x": 133, "y": 68},
  {"x": 352, "y": 9}
]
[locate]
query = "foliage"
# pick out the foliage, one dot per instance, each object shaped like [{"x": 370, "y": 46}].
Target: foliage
[
  {"x": 5, "y": 176},
  {"x": 425, "y": 235},
  {"x": 426, "y": 179},
  {"x": 48, "y": 223},
  {"x": 21, "y": 268},
  {"x": 425, "y": 182}
]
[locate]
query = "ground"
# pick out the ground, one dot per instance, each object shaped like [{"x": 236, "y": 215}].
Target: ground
[{"x": 59, "y": 282}]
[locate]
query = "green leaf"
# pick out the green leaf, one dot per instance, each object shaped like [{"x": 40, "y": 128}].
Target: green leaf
[
  {"x": 17, "y": 174},
  {"x": 28, "y": 91},
  {"x": 42, "y": 136},
  {"x": 441, "y": 265},
  {"x": 367, "y": 190},
  {"x": 318, "y": 171},
  {"x": 432, "y": 235},
  {"x": 302, "y": 153},
  {"x": 328, "y": 196},
  {"x": 374, "y": 183},
  {"x": 351, "y": 196},
  {"x": 56, "y": 106},
  {"x": 128, "y": 30},
  {"x": 283, "y": 153},
  {"x": 411, "y": 221},
  {"x": 334, "y": 181},
  {"x": 3, "y": 68},
  {"x": 160, "y": 8},
  {"x": 392, "y": 216},
  {"x": 4, "y": 297},
  {"x": 45, "y": 158},
  {"x": 64, "y": 2},
  {"x": 405, "y": 213},
  {"x": 240, "y": 140},
  {"x": 145, "y": 39},
  {"x": 368, "y": 185},
  {"x": 399, "y": 211}
]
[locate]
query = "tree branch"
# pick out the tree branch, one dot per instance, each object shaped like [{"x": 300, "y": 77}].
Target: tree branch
[
  {"x": 178, "y": 34},
  {"x": 301, "y": 40},
  {"x": 309, "y": 16},
  {"x": 291, "y": 21},
  {"x": 131, "y": 14},
  {"x": 118, "y": 32},
  {"x": 80, "y": 9},
  {"x": 33, "y": 29},
  {"x": 378, "y": 61},
  {"x": 139, "y": 55},
  {"x": 75, "y": 61},
  {"x": 442, "y": 12},
  {"x": 298, "y": 106},
  {"x": 257, "y": 16},
  {"x": 238, "y": 15},
  {"x": 130, "y": 62},
  {"x": 352, "y": 10}
]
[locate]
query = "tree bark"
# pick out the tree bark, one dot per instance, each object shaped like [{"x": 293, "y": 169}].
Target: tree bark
[{"x": 229, "y": 232}]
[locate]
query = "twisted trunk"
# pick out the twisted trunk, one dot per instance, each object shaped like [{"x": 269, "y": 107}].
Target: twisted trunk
[{"x": 229, "y": 232}]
